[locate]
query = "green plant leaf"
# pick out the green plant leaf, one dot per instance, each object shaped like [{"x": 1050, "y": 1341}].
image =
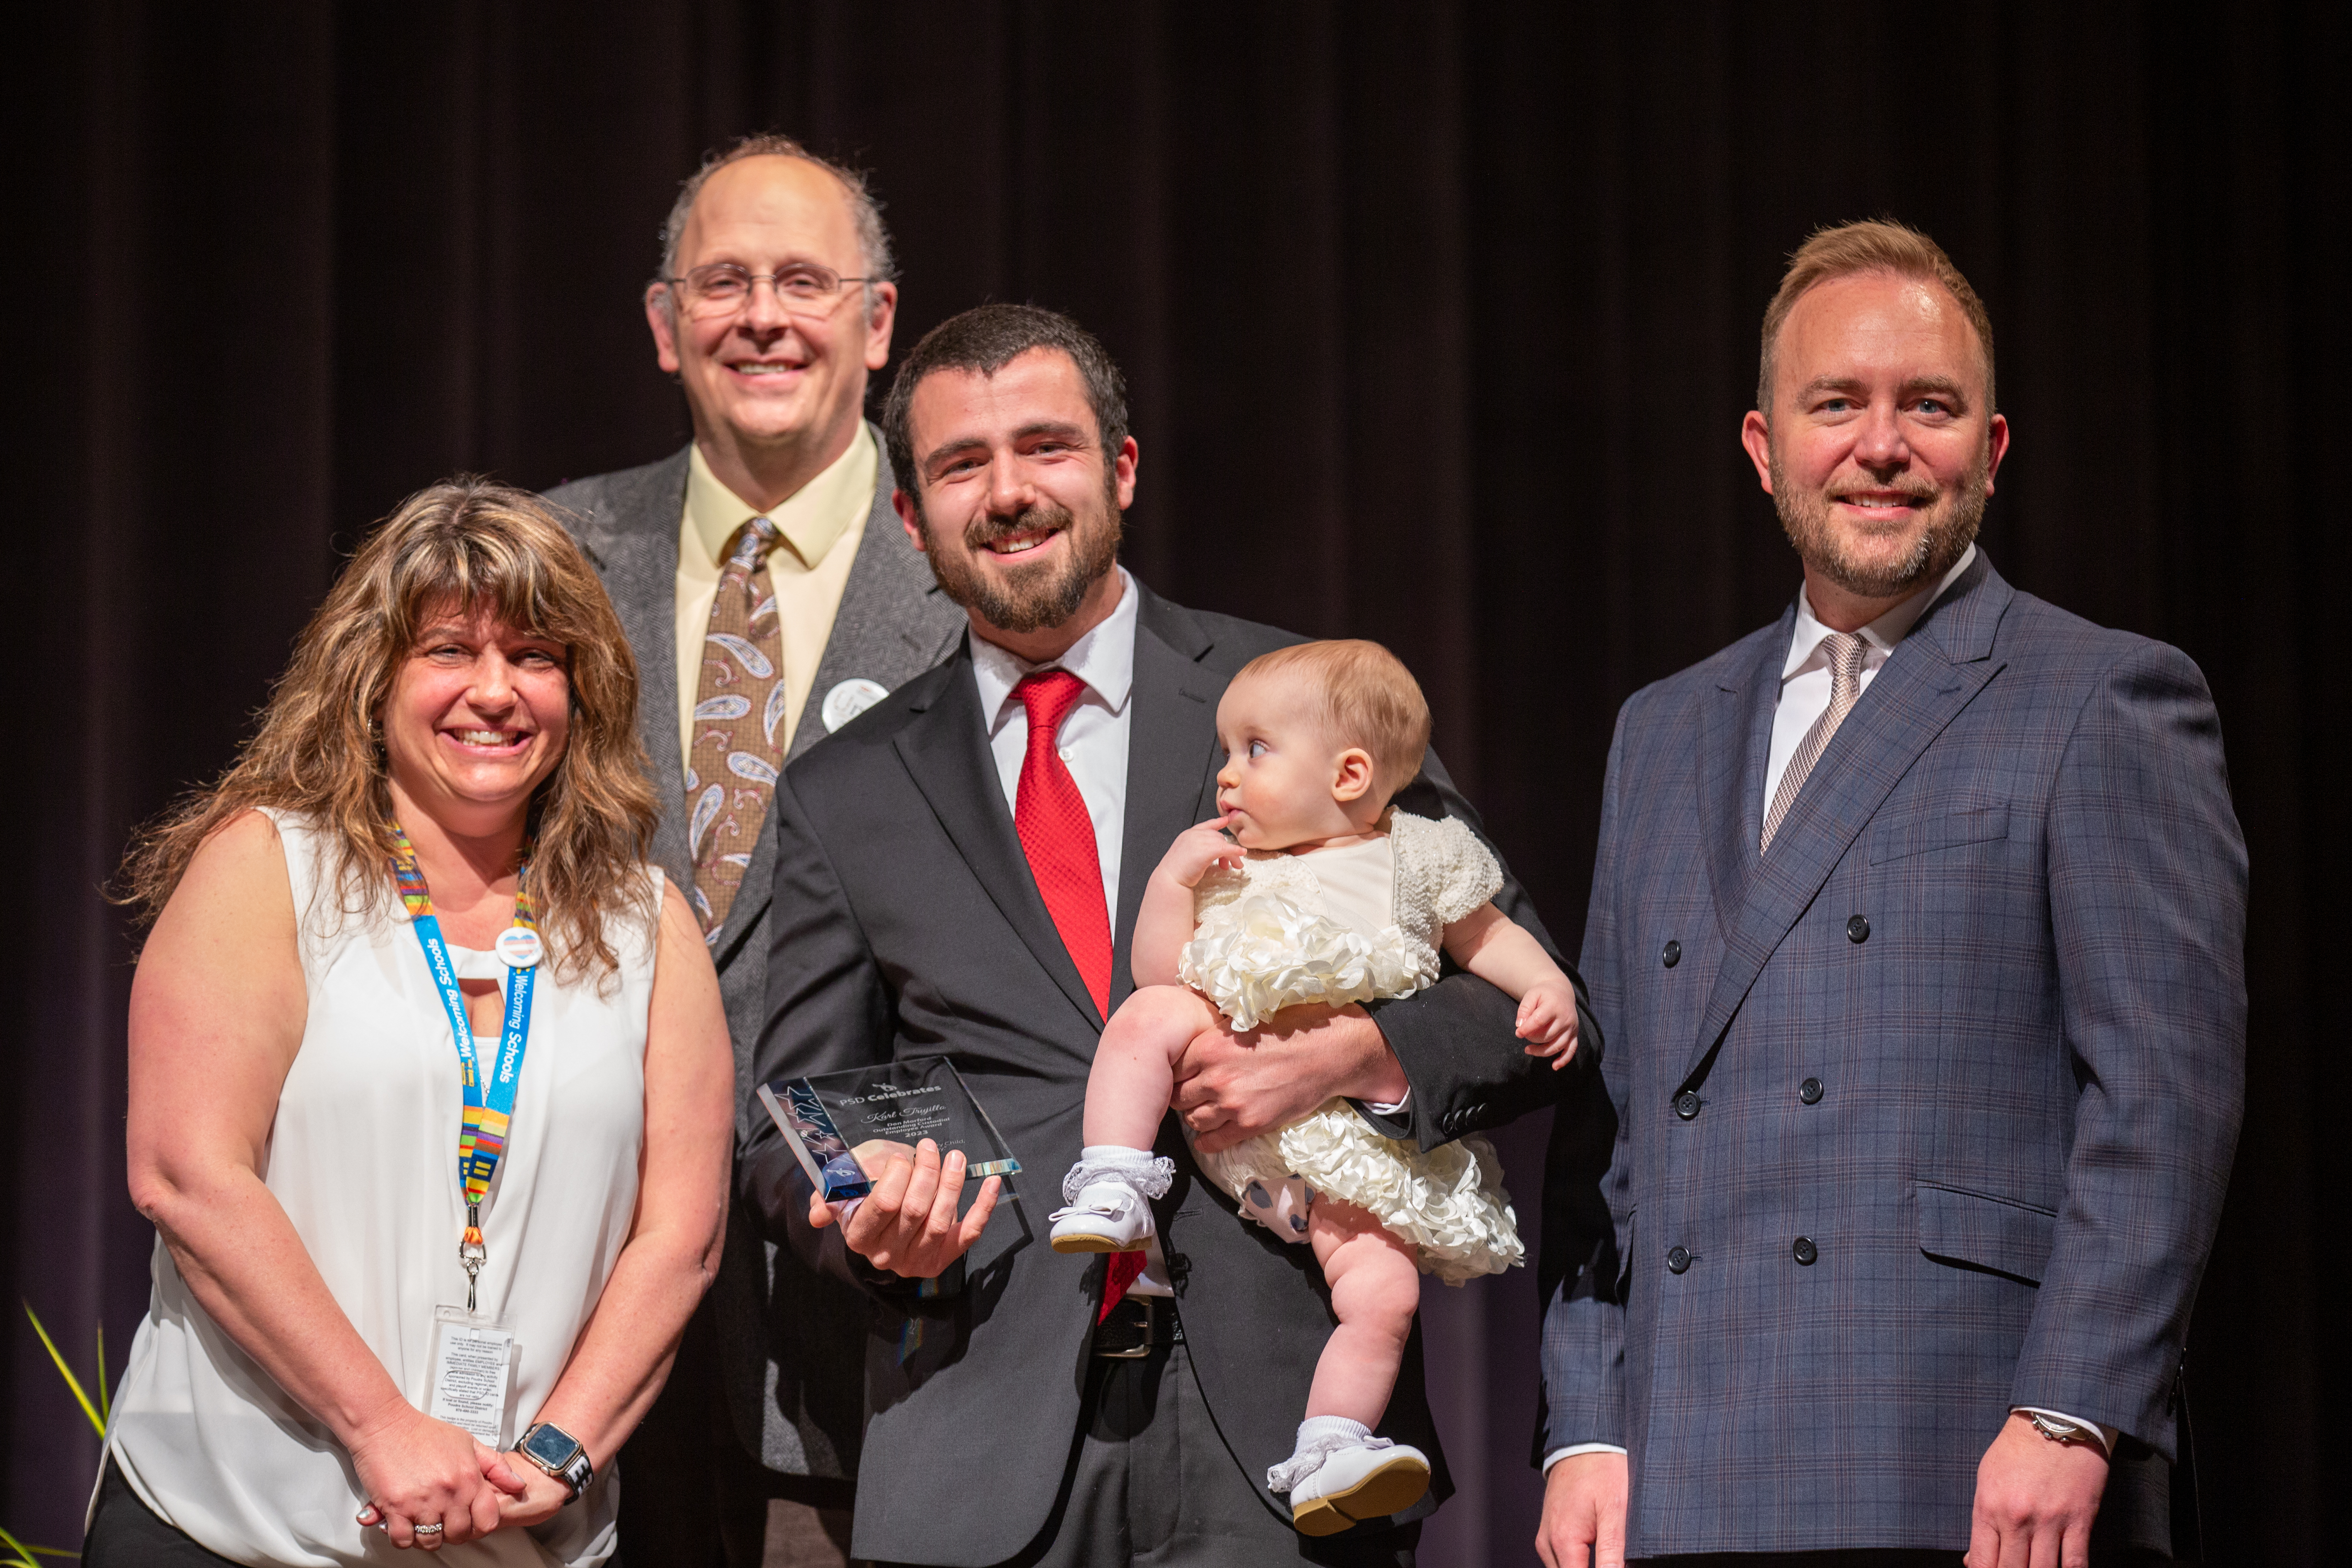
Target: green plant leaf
[
  {"x": 73, "y": 1382},
  {"x": 25, "y": 1555}
]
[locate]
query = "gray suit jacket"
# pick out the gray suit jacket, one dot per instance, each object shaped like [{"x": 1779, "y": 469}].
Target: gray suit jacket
[
  {"x": 789, "y": 1339},
  {"x": 907, "y": 923},
  {"x": 1925, "y": 1113}
]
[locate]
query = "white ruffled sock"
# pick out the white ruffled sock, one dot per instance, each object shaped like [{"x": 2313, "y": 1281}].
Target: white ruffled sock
[
  {"x": 1138, "y": 1168},
  {"x": 1319, "y": 1437}
]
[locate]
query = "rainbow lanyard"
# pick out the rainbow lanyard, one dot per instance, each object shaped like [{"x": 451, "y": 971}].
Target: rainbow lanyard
[{"x": 482, "y": 1127}]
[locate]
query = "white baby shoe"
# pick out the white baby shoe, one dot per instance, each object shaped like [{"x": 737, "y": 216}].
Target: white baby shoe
[
  {"x": 1342, "y": 1475},
  {"x": 1104, "y": 1216},
  {"x": 1108, "y": 1191}
]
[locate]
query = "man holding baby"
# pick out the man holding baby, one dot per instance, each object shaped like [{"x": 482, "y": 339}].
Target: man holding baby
[{"x": 961, "y": 871}]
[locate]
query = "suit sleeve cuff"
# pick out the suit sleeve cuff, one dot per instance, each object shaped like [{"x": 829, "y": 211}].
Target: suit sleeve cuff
[
  {"x": 2107, "y": 1434},
  {"x": 1572, "y": 1450}
]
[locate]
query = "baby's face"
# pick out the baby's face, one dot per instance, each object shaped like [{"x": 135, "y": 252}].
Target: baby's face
[{"x": 1282, "y": 768}]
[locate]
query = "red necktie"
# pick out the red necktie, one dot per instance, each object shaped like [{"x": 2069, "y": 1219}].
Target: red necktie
[{"x": 1059, "y": 836}]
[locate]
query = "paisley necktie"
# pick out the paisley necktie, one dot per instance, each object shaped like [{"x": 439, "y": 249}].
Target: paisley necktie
[{"x": 739, "y": 708}]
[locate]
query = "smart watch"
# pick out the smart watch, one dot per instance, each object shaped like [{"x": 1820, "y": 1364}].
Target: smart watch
[{"x": 559, "y": 1453}]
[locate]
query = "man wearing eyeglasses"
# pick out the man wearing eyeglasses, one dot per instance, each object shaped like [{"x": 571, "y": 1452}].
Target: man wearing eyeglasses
[{"x": 770, "y": 595}]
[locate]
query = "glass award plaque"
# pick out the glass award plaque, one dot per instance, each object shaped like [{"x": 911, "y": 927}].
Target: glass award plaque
[{"x": 845, "y": 1125}]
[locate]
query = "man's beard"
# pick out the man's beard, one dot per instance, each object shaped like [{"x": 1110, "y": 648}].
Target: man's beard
[
  {"x": 1950, "y": 529},
  {"x": 1031, "y": 598}
]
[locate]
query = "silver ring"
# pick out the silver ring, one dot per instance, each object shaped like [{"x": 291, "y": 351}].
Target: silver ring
[{"x": 429, "y": 1529}]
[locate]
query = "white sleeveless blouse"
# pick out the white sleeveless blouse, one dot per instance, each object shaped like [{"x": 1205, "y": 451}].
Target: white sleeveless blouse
[{"x": 364, "y": 1157}]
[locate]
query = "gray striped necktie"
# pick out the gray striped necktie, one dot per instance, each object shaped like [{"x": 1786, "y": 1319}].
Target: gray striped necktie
[{"x": 1846, "y": 652}]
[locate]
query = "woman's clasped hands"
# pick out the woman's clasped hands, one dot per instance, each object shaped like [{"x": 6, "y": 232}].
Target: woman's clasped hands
[{"x": 421, "y": 1473}]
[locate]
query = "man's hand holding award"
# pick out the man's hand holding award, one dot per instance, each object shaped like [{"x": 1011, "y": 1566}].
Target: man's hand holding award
[{"x": 896, "y": 1193}]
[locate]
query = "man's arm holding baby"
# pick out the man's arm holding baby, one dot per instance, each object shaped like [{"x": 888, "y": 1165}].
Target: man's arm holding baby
[{"x": 1451, "y": 1052}]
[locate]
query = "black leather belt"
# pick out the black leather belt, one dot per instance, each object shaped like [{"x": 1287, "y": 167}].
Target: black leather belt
[{"x": 1137, "y": 1324}]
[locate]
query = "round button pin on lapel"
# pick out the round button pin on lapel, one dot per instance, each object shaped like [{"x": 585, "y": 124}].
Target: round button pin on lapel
[
  {"x": 520, "y": 947},
  {"x": 849, "y": 700}
]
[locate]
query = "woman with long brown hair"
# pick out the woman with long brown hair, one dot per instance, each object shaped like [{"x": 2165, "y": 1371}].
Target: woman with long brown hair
[{"x": 431, "y": 1096}]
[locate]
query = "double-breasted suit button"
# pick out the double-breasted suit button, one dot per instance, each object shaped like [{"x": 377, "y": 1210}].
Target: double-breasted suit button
[
  {"x": 1810, "y": 1092},
  {"x": 1678, "y": 1260},
  {"x": 1804, "y": 1251},
  {"x": 1857, "y": 930},
  {"x": 1686, "y": 1105},
  {"x": 1673, "y": 954}
]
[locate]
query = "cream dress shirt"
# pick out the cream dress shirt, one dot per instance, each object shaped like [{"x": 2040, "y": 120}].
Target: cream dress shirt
[{"x": 822, "y": 523}]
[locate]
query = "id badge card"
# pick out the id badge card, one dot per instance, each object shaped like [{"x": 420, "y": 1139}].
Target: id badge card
[{"x": 473, "y": 1376}]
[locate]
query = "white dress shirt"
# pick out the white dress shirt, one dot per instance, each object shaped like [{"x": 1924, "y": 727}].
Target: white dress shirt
[
  {"x": 1804, "y": 697},
  {"x": 1805, "y": 677},
  {"x": 1094, "y": 734}
]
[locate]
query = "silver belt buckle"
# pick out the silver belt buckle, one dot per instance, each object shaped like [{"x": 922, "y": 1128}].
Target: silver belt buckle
[{"x": 1128, "y": 1331}]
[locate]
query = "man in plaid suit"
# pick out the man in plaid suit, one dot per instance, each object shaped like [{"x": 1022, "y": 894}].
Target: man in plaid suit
[{"x": 1916, "y": 937}]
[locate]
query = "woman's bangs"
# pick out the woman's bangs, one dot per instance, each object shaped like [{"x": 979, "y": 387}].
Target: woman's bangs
[{"x": 482, "y": 572}]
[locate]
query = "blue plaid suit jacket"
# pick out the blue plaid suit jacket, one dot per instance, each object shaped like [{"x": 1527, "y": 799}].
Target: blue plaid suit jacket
[{"x": 1974, "y": 1030}]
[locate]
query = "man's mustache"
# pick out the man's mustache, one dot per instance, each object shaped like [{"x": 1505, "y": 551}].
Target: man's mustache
[{"x": 986, "y": 530}]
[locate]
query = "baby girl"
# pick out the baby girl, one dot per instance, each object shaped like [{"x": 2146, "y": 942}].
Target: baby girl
[{"x": 1310, "y": 888}]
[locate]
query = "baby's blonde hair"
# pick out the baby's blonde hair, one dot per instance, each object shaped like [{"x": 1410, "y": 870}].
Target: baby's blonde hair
[{"x": 1370, "y": 699}]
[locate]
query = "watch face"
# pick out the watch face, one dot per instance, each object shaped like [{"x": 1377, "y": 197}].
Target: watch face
[{"x": 550, "y": 1446}]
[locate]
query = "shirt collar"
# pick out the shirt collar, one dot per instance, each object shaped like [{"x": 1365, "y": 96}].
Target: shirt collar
[
  {"x": 811, "y": 519},
  {"x": 1880, "y": 635},
  {"x": 1104, "y": 659}
]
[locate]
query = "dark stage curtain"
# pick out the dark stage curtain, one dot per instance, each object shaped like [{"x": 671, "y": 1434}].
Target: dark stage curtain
[{"x": 1441, "y": 323}]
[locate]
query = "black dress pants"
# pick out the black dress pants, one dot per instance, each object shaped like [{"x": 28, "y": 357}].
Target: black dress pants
[
  {"x": 1151, "y": 1484},
  {"x": 125, "y": 1533}
]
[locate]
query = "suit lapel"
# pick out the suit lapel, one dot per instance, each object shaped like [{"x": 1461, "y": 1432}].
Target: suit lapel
[
  {"x": 635, "y": 549},
  {"x": 1735, "y": 740},
  {"x": 945, "y": 750},
  {"x": 1171, "y": 748},
  {"x": 893, "y": 623},
  {"x": 1933, "y": 674}
]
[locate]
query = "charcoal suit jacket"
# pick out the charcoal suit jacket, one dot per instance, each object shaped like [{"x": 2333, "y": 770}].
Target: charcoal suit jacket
[
  {"x": 907, "y": 923},
  {"x": 786, "y": 1338},
  {"x": 1925, "y": 1114}
]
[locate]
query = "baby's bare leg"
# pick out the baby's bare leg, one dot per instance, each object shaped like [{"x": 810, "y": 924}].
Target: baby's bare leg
[
  {"x": 1375, "y": 1282},
  {"x": 1134, "y": 1073}
]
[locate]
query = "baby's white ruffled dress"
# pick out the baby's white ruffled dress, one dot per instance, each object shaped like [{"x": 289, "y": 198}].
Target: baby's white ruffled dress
[{"x": 1355, "y": 923}]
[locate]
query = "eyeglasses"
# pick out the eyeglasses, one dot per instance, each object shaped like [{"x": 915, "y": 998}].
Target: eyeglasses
[{"x": 721, "y": 289}]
